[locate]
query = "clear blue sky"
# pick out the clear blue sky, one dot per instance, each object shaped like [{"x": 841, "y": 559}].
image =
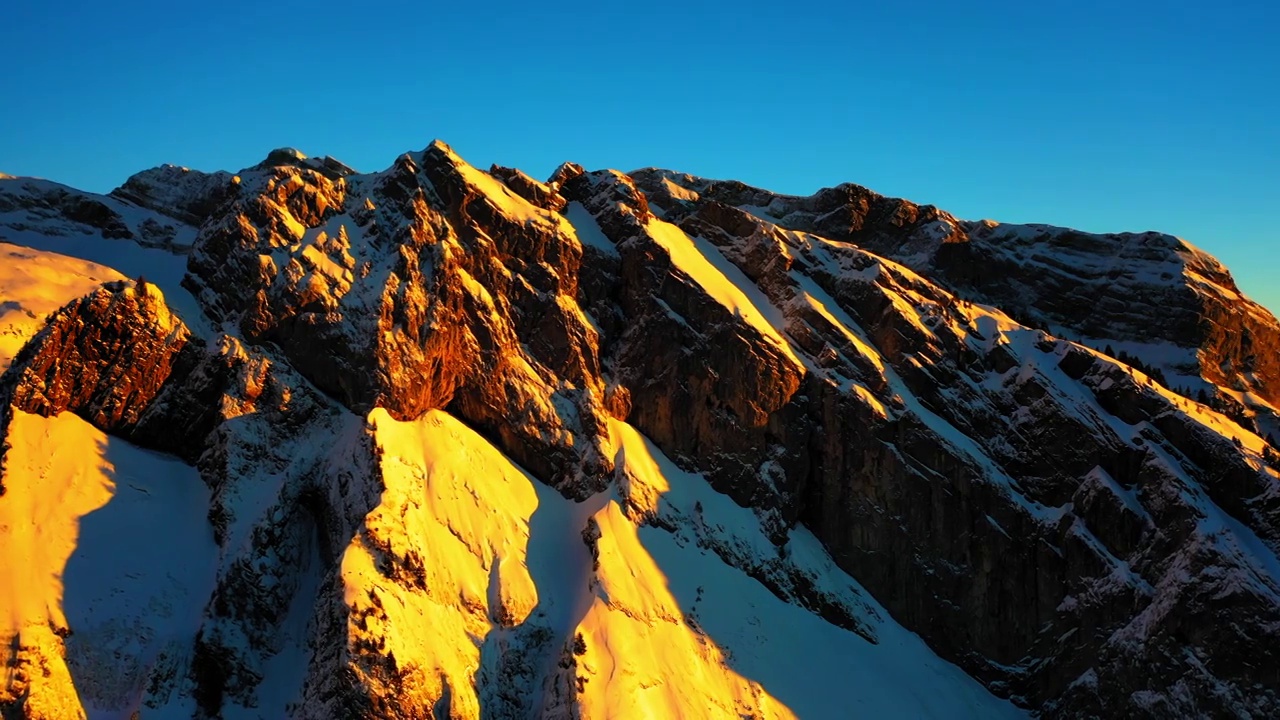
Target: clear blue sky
[{"x": 1102, "y": 116}]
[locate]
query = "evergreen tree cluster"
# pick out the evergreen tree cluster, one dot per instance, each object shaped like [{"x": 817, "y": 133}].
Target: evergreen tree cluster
[
  {"x": 1234, "y": 410},
  {"x": 1027, "y": 321},
  {"x": 1270, "y": 455},
  {"x": 1152, "y": 372}
]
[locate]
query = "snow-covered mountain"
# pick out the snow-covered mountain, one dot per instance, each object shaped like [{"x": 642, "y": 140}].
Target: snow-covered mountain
[{"x": 437, "y": 442}]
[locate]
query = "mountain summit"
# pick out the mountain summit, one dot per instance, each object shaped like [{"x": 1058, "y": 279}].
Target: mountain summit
[{"x": 436, "y": 442}]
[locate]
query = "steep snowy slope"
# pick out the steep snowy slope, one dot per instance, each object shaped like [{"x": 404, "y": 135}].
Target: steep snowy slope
[
  {"x": 473, "y": 445},
  {"x": 474, "y": 586},
  {"x": 107, "y": 563},
  {"x": 494, "y": 611}
]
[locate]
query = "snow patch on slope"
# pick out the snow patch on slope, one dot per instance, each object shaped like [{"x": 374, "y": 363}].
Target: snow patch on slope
[
  {"x": 107, "y": 546},
  {"x": 587, "y": 229},
  {"x": 442, "y": 558},
  {"x": 724, "y": 282},
  {"x": 127, "y": 258},
  {"x": 499, "y": 195},
  {"x": 34, "y": 284}
]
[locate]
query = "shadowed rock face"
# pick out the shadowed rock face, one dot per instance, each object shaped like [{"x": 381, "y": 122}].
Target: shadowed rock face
[
  {"x": 1069, "y": 532},
  {"x": 1018, "y": 553},
  {"x": 186, "y": 195},
  {"x": 33, "y": 201},
  {"x": 1146, "y": 288}
]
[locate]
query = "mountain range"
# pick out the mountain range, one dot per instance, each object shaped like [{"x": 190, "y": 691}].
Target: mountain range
[{"x": 441, "y": 442}]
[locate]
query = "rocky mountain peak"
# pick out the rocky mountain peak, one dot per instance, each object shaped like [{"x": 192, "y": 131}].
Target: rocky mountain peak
[
  {"x": 330, "y": 167},
  {"x": 285, "y": 156}
]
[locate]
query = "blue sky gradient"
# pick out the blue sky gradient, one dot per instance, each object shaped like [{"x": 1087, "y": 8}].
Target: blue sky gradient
[{"x": 1100, "y": 116}]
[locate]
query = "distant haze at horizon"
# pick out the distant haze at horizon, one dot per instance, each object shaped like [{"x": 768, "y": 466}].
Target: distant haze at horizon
[{"x": 1091, "y": 116}]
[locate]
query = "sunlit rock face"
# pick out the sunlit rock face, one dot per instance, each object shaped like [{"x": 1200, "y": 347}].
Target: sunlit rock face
[
  {"x": 441, "y": 442},
  {"x": 427, "y": 286}
]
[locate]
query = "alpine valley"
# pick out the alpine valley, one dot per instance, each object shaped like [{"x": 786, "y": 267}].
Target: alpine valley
[{"x": 440, "y": 442}]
